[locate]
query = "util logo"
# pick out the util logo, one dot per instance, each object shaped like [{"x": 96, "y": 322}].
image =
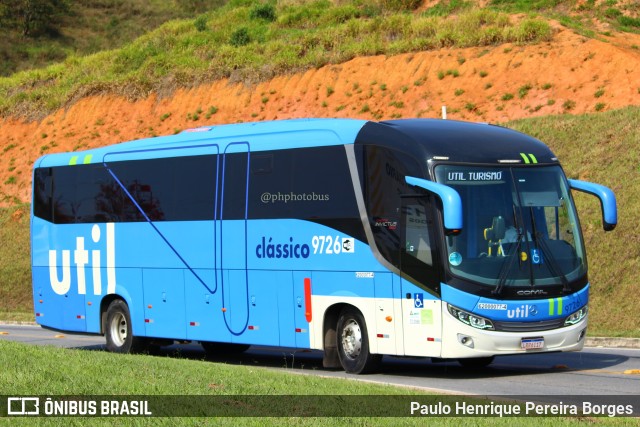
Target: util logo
[
  {"x": 62, "y": 285},
  {"x": 522, "y": 312}
]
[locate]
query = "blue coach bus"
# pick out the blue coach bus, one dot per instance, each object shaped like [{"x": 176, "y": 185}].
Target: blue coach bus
[{"x": 414, "y": 237}]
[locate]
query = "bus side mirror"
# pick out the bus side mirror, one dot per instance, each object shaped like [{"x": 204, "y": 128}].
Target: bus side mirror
[
  {"x": 607, "y": 201},
  {"x": 451, "y": 202}
]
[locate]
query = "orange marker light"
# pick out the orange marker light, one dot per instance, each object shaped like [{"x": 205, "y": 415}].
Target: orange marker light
[{"x": 307, "y": 299}]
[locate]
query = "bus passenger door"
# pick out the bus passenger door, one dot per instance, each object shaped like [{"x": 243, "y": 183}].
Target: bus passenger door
[{"x": 421, "y": 308}]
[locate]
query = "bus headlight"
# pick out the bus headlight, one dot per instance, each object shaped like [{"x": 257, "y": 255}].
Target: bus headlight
[
  {"x": 470, "y": 319},
  {"x": 576, "y": 317}
]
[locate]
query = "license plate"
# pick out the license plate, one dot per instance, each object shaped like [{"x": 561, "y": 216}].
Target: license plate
[{"x": 531, "y": 343}]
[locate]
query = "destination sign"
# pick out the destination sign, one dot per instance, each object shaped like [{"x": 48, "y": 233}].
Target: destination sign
[{"x": 474, "y": 176}]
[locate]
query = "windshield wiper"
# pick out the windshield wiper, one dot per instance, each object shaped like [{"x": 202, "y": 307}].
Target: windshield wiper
[
  {"x": 539, "y": 241},
  {"x": 506, "y": 266}
]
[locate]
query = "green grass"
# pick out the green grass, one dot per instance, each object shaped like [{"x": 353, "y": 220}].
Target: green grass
[
  {"x": 120, "y": 374},
  {"x": 233, "y": 44},
  {"x": 15, "y": 264},
  {"x": 586, "y": 17},
  {"x": 29, "y": 370},
  {"x": 90, "y": 27},
  {"x": 247, "y": 40}
]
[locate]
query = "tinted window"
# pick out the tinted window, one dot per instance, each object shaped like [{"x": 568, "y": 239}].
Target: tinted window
[
  {"x": 233, "y": 201},
  {"x": 170, "y": 189},
  {"x": 383, "y": 182},
  {"x": 82, "y": 194},
  {"x": 42, "y": 194},
  {"x": 310, "y": 183},
  {"x": 418, "y": 245}
]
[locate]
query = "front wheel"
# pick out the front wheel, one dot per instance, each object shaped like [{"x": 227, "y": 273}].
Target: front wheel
[
  {"x": 353, "y": 343},
  {"x": 118, "y": 330}
]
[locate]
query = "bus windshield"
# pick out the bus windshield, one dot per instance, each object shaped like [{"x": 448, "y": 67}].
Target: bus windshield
[{"x": 520, "y": 226}]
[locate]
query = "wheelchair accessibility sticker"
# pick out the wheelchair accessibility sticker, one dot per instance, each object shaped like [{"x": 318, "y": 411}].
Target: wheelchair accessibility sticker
[
  {"x": 417, "y": 300},
  {"x": 536, "y": 256}
]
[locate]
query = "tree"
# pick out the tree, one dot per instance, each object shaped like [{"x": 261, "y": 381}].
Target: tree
[{"x": 32, "y": 17}]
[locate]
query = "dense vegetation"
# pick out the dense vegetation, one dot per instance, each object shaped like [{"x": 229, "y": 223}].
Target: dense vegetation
[
  {"x": 250, "y": 41},
  {"x": 15, "y": 264},
  {"x": 37, "y": 33},
  {"x": 89, "y": 44}
]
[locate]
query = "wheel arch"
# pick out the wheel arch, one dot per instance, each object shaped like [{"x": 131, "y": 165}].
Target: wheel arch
[
  {"x": 329, "y": 338},
  {"x": 133, "y": 313}
]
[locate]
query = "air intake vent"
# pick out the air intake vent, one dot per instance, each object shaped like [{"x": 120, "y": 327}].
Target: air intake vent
[{"x": 545, "y": 325}]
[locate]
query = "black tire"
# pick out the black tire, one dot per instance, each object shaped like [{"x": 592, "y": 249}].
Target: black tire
[
  {"x": 476, "y": 362},
  {"x": 353, "y": 343},
  {"x": 222, "y": 348},
  {"x": 118, "y": 330}
]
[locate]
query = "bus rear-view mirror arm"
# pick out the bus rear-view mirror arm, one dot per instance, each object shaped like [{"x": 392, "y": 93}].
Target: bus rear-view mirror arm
[
  {"x": 451, "y": 202},
  {"x": 607, "y": 201}
]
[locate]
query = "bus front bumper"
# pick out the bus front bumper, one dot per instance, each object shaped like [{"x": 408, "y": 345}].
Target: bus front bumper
[{"x": 464, "y": 341}]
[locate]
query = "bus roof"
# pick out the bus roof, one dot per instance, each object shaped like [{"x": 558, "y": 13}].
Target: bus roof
[
  {"x": 455, "y": 141},
  {"x": 261, "y": 136},
  {"x": 426, "y": 139}
]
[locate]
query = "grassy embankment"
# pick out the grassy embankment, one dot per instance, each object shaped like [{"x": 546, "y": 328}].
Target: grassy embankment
[
  {"x": 603, "y": 148},
  {"x": 15, "y": 264},
  {"x": 249, "y": 41},
  {"x": 86, "y": 27},
  {"x": 89, "y": 27},
  {"x": 47, "y": 371},
  {"x": 598, "y": 147}
]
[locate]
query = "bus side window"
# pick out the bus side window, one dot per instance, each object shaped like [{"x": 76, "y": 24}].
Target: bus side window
[
  {"x": 262, "y": 164},
  {"x": 64, "y": 195},
  {"x": 418, "y": 248},
  {"x": 418, "y": 242},
  {"x": 42, "y": 193},
  {"x": 383, "y": 182}
]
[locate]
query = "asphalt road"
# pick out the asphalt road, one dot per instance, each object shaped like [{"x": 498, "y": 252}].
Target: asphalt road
[{"x": 593, "y": 371}]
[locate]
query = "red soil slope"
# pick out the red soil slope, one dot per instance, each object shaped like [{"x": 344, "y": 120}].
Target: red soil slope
[{"x": 571, "y": 74}]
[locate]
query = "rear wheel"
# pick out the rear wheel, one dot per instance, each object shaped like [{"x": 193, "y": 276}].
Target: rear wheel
[
  {"x": 353, "y": 343},
  {"x": 118, "y": 330}
]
